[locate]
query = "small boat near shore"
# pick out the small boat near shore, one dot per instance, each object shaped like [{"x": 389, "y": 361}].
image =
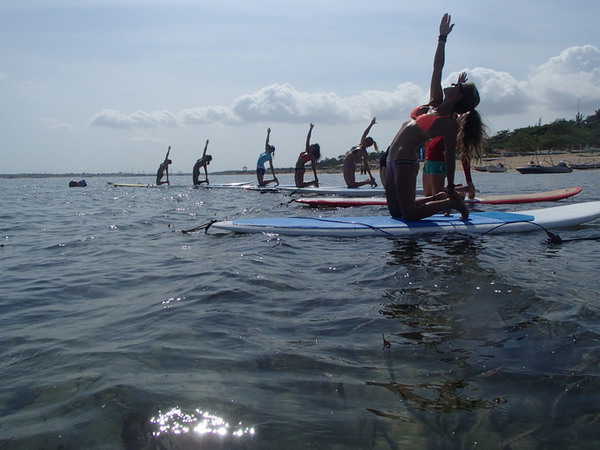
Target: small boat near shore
[
  {"x": 561, "y": 167},
  {"x": 586, "y": 165},
  {"x": 494, "y": 168},
  {"x": 537, "y": 167}
]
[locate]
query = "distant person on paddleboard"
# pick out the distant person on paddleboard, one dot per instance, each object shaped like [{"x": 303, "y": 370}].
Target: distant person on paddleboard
[
  {"x": 201, "y": 163},
  {"x": 437, "y": 118},
  {"x": 163, "y": 170},
  {"x": 434, "y": 167},
  {"x": 356, "y": 153},
  {"x": 265, "y": 156},
  {"x": 311, "y": 154}
]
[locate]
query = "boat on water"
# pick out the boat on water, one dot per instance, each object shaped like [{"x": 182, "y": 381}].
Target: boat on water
[
  {"x": 540, "y": 167},
  {"x": 495, "y": 168},
  {"x": 561, "y": 167},
  {"x": 586, "y": 165}
]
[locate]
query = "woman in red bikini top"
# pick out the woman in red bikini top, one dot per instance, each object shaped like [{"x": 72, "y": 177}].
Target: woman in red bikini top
[
  {"x": 312, "y": 154},
  {"x": 435, "y": 119},
  {"x": 434, "y": 166}
]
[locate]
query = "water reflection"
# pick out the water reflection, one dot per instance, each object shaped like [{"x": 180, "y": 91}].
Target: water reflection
[
  {"x": 475, "y": 357},
  {"x": 198, "y": 423}
]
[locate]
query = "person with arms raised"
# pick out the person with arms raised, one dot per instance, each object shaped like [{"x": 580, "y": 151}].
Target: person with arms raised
[
  {"x": 359, "y": 152},
  {"x": 201, "y": 163},
  {"x": 438, "y": 118},
  {"x": 311, "y": 154},
  {"x": 265, "y": 156},
  {"x": 434, "y": 167},
  {"x": 163, "y": 170}
]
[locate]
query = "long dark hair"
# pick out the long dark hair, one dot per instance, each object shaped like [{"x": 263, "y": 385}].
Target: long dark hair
[
  {"x": 316, "y": 151},
  {"x": 472, "y": 132}
]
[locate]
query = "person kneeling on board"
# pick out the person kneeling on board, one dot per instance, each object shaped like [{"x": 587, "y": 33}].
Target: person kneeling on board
[
  {"x": 265, "y": 156},
  {"x": 359, "y": 152},
  {"x": 201, "y": 163},
  {"x": 311, "y": 154},
  {"x": 163, "y": 170},
  {"x": 438, "y": 118}
]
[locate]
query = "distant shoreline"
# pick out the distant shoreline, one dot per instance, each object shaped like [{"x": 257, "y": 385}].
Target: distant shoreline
[{"x": 511, "y": 162}]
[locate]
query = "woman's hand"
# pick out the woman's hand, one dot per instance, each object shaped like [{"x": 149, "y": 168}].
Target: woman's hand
[
  {"x": 445, "y": 25},
  {"x": 462, "y": 78}
]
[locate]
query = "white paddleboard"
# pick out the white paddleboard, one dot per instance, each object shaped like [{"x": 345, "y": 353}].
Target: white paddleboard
[
  {"x": 342, "y": 190},
  {"x": 224, "y": 185},
  {"x": 292, "y": 189},
  {"x": 485, "y": 222},
  {"x": 127, "y": 184}
]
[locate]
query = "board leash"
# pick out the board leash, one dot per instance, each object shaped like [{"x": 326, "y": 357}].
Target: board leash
[
  {"x": 552, "y": 238},
  {"x": 366, "y": 225},
  {"x": 204, "y": 226}
]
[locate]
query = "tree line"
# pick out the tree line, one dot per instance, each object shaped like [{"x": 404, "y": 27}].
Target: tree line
[{"x": 562, "y": 134}]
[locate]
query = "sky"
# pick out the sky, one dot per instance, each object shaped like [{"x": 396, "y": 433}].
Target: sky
[{"x": 96, "y": 86}]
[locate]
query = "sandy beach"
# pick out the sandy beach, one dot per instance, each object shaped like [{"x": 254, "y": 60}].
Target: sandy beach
[{"x": 512, "y": 162}]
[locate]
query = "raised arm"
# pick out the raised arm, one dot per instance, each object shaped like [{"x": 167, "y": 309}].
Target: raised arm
[
  {"x": 436, "y": 94},
  {"x": 312, "y": 125},
  {"x": 267, "y": 141},
  {"x": 205, "y": 148},
  {"x": 366, "y": 133}
]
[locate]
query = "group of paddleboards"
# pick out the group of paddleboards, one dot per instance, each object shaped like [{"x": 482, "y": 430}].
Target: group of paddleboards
[
  {"x": 340, "y": 196},
  {"x": 385, "y": 225}
]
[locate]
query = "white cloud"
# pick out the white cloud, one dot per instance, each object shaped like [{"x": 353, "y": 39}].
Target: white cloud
[
  {"x": 116, "y": 119},
  {"x": 500, "y": 92},
  {"x": 204, "y": 115},
  {"x": 574, "y": 73},
  {"x": 278, "y": 103}
]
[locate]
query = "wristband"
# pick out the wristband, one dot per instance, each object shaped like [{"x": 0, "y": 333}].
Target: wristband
[{"x": 442, "y": 37}]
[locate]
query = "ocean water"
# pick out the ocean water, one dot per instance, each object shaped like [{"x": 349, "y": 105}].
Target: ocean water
[{"x": 118, "y": 331}]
